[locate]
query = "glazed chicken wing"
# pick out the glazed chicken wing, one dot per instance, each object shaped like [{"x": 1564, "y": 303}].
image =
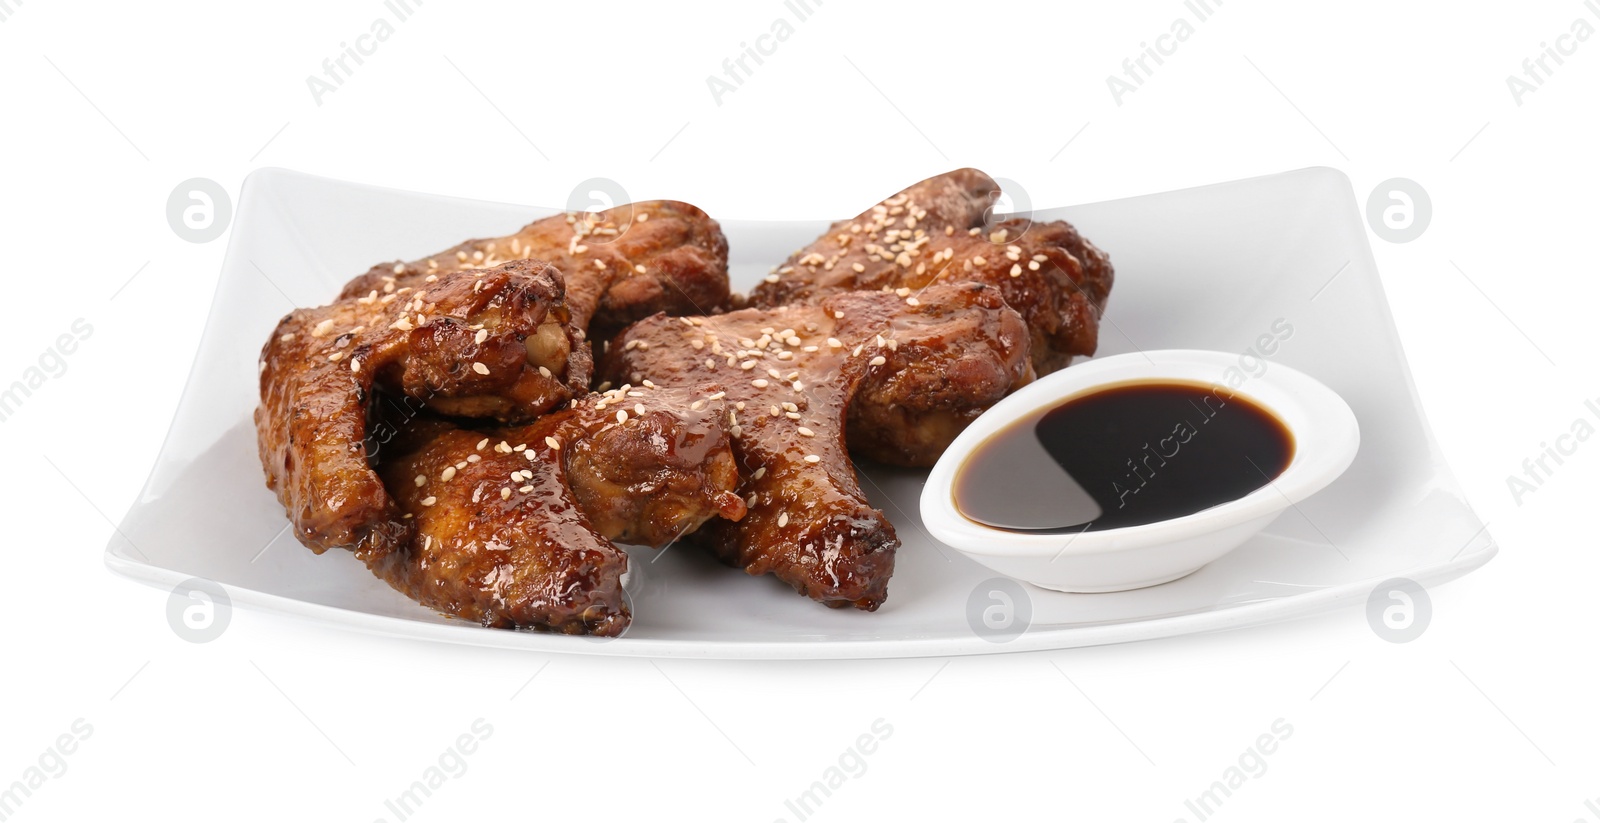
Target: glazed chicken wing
[
  {"x": 513, "y": 527},
  {"x": 793, "y": 374},
  {"x": 940, "y": 230},
  {"x": 621, "y": 265},
  {"x": 494, "y": 343}
]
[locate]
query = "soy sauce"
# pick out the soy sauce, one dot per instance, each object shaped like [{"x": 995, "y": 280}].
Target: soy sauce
[{"x": 1121, "y": 456}]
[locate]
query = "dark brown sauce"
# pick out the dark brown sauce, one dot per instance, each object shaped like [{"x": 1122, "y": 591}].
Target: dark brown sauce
[{"x": 1125, "y": 455}]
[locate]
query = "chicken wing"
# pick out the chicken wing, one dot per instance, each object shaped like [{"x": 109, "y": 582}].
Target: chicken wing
[
  {"x": 621, "y": 265},
  {"x": 941, "y": 230},
  {"x": 494, "y": 343},
  {"x": 513, "y": 526},
  {"x": 792, "y": 374}
]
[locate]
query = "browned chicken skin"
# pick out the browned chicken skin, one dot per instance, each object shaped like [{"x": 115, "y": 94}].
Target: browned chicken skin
[
  {"x": 791, "y": 374},
  {"x": 513, "y": 526},
  {"x": 621, "y": 265},
  {"x": 467, "y": 344},
  {"x": 936, "y": 231},
  {"x": 884, "y": 339}
]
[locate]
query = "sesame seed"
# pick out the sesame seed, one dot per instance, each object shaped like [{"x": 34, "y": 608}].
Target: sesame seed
[
  {"x": 838, "y": 315},
  {"x": 638, "y": 408},
  {"x": 421, "y": 480},
  {"x": 399, "y": 268},
  {"x": 622, "y": 416},
  {"x": 877, "y": 361},
  {"x": 482, "y": 443},
  {"x": 760, "y": 473},
  {"x": 783, "y": 520},
  {"x": 552, "y": 443},
  {"x": 747, "y": 365},
  {"x": 1033, "y": 265},
  {"x": 759, "y": 383},
  {"x": 833, "y": 343},
  {"x": 520, "y": 447},
  {"x": 505, "y": 492},
  {"x": 449, "y": 472},
  {"x": 322, "y": 328},
  {"x": 792, "y": 415},
  {"x": 811, "y": 458},
  {"x": 600, "y": 264},
  {"x": 473, "y": 458},
  {"x": 355, "y": 364},
  {"x": 638, "y": 268},
  {"x": 480, "y": 368},
  {"x": 544, "y": 371},
  {"x": 718, "y": 396},
  {"x": 429, "y": 500},
  {"x": 805, "y": 432},
  {"x": 483, "y": 334},
  {"x": 525, "y": 489},
  {"x": 1016, "y": 269}
]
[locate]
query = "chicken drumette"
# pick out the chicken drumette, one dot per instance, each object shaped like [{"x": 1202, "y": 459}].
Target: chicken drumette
[
  {"x": 942, "y": 230},
  {"x": 903, "y": 369},
  {"x": 494, "y": 343},
  {"x": 513, "y": 526}
]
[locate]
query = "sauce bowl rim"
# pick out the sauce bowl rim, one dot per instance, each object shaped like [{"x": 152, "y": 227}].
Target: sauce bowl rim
[{"x": 1324, "y": 429}]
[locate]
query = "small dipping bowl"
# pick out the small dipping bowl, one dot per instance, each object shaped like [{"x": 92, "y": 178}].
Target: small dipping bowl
[{"x": 1322, "y": 426}]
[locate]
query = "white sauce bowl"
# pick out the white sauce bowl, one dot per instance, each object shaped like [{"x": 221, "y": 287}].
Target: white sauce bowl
[{"x": 1326, "y": 438}]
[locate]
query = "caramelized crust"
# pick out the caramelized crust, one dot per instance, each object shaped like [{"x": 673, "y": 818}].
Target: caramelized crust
[
  {"x": 621, "y": 265},
  {"x": 513, "y": 526},
  {"x": 916, "y": 366},
  {"x": 459, "y": 346},
  {"x": 936, "y": 231}
]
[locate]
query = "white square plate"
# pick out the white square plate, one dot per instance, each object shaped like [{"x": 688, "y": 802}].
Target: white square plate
[{"x": 1210, "y": 267}]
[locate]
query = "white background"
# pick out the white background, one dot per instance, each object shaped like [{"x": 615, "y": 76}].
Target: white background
[{"x": 1489, "y": 715}]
